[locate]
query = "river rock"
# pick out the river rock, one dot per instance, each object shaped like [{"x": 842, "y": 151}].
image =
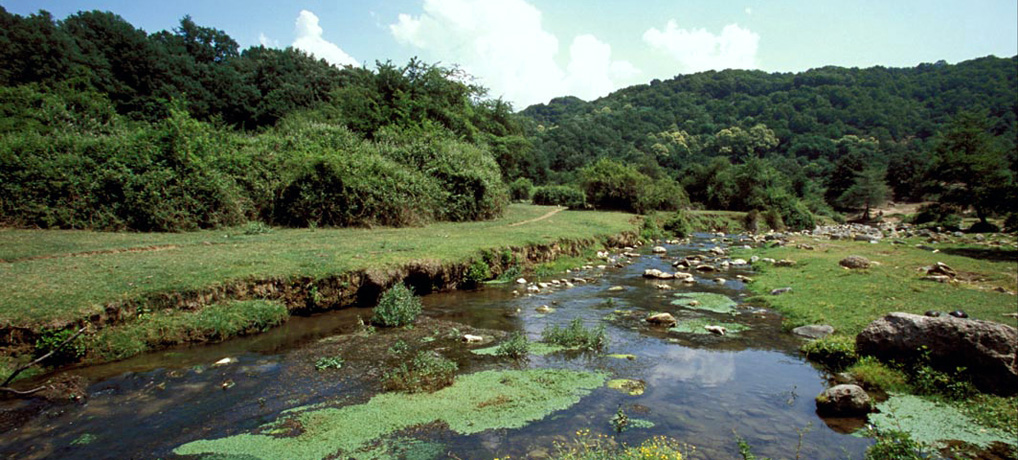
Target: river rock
[
  {"x": 814, "y": 331},
  {"x": 784, "y": 263},
  {"x": 543, "y": 309},
  {"x": 739, "y": 262},
  {"x": 659, "y": 250},
  {"x": 719, "y": 330},
  {"x": 521, "y": 281},
  {"x": 663, "y": 319},
  {"x": 867, "y": 238},
  {"x": 855, "y": 262},
  {"x": 468, "y": 338},
  {"x": 988, "y": 350},
  {"x": 940, "y": 268},
  {"x": 844, "y": 400},
  {"x": 616, "y": 289},
  {"x": 780, "y": 291}
]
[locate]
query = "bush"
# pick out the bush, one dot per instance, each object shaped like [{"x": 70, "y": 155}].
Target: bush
[
  {"x": 559, "y": 195},
  {"x": 426, "y": 371},
  {"x": 1011, "y": 222},
  {"x": 836, "y": 352},
  {"x": 650, "y": 230},
  {"x": 939, "y": 215},
  {"x": 609, "y": 184},
  {"x": 794, "y": 213},
  {"x": 678, "y": 224},
  {"x": 751, "y": 222},
  {"x": 477, "y": 273},
  {"x": 774, "y": 220},
  {"x": 576, "y": 336},
  {"x": 516, "y": 347},
  {"x": 521, "y": 189},
  {"x": 896, "y": 445},
  {"x": 50, "y": 340},
  {"x": 397, "y": 307}
]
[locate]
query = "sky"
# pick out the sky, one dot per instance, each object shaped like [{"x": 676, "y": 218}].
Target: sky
[{"x": 529, "y": 51}]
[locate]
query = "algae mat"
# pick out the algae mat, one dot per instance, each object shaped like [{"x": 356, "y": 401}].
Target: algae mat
[{"x": 475, "y": 403}]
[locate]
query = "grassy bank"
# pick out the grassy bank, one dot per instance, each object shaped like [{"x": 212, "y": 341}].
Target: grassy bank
[{"x": 825, "y": 293}]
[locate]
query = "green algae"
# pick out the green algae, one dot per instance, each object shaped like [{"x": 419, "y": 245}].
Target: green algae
[
  {"x": 536, "y": 349},
  {"x": 705, "y": 301},
  {"x": 696, "y": 326},
  {"x": 475, "y": 403},
  {"x": 628, "y": 386},
  {"x": 934, "y": 423}
]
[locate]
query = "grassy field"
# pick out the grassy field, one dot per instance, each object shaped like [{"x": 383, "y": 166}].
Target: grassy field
[
  {"x": 825, "y": 293},
  {"x": 50, "y": 277}
]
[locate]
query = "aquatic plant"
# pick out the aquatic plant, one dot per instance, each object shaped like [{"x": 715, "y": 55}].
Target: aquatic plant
[
  {"x": 397, "y": 307},
  {"x": 628, "y": 386},
  {"x": 576, "y": 336},
  {"x": 533, "y": 349},
  {"x": 705, "y": 301},
  {"x": 602, "y": 447},
  {"x": 696, "y": 326},
  {"x": 427, "y": 371},
  {"x": 516, "y": 347},
  {"x": 328, "y": 362},
  {"x": 934, "y": 423},
  {"x": 475, "y": 403}
]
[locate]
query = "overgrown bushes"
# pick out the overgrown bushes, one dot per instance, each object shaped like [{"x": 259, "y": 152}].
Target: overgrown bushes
[
  {"x": 559, "y": 195},
  {"x": 397, "y": 307},
  {"x": 611, "y": 185}
]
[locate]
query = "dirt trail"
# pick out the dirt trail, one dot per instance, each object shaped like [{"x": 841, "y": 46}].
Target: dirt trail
[{"x": 536, "y": 219}]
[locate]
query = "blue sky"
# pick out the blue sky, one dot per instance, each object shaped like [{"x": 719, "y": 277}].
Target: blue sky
[{"x": 529, "y": 51}]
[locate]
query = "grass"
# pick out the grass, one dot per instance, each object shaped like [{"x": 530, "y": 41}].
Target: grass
[
  {"x": 165, "y": 328},
  {"x": 576, "y": 336},
  {"x": 54, "y": 288},
  {"x": 825, "y": 293},
  {"x": 477, "y": 402}
]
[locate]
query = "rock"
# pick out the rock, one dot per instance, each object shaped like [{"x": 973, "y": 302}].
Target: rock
[
  {"x": 663, "y": 287},
  {"x": 533, "y": 288},
  {"x": 651, "y": 273},
  {"x": 739, "y": 262},
  {"x": 784, "y": 263},
  {"x": 940, "y": 268},
  {"x": 616, "y": 289},
  {"x": 959, "y": 314},
  {"x": 855, "y": 262},
  {"x": 659, "y": 250},
  {"x": 768, "y": 260},
  {"x": 720, "y": 280},
  {"x": 224, "y": 362},
  {"x": 705, "y": 268},
  {"x": 932, "y": 313},
  {"x": 754, "y": 259},
  {"x": 780, "y": 291},
  {"x": 521, "y": 281},
  {"x": 844, "y": 400},
  {"x": 662, "y": 319},
  {"x": 937, "y": 278},
  {"x": 988, "y": 350},
  {"x": 543, "y": 285},
  {"x": 867, "y": 238},
  {"x": 719, "y": 330},
  {"x": 694, "y": 303},
  {"x": 814, "y": 331},
  {"x": 544, "y": 309},
  {"x": 717, "y": 251},
  {"x": 472, "y": 338}
]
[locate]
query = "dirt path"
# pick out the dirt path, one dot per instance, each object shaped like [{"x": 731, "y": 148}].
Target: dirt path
[{"x": 536, "y": 219}]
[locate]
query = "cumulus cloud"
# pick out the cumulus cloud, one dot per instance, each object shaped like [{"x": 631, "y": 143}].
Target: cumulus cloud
[
  {"x": 309, "y": 38},
  {"x": 267, "y": 42},
  {"x": 698, "y": 50},
  {"x": 505, "y": 46}
]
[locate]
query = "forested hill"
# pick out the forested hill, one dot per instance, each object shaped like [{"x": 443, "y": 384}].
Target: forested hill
[{"x": 682, "y": 119}]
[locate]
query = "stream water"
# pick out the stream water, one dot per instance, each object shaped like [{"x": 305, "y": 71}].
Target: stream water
[{"x": 702, "y": 389}]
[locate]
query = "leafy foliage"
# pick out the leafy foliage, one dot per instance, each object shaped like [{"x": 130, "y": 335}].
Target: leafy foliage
[
  {"x": 560, "y": 195},
  {"x": 398, "y": 306},
  {"x": 425, "y": 372},
  {"x": 576, "y": 336},
  {"x": 515, "y": 347},
  {"x": 834, "y": 351}
]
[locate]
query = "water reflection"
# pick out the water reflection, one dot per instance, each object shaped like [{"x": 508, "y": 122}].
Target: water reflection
[{"x": 699, "y": 367}]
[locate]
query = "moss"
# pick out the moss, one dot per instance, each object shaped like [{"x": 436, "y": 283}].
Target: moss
[
  {"x": 696, "y": 326},
  {"x": 934, "y": 423},
  {"x": 705, "y": 301},
  {"x": 628, "y": 386},
  {"x": 475, "y": 403}
]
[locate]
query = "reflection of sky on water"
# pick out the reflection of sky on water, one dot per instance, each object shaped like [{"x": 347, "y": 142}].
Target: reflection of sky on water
[{"x": 704, "y": 368}]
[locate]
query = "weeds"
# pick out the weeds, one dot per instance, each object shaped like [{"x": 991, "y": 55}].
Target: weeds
[
  {"x": 576, "y": 336},
  {"x": 836, "y": 352},
  {"x": 53, "y": 341},
  {"x": 426, "y": 372},
  {"x": 397, "y": 307},
  {"x": 602, "y": 447},
  {"x": 893, "y": 445},
  {"x": 328, "y": 362},
  {"x": 517, "y": 347}
]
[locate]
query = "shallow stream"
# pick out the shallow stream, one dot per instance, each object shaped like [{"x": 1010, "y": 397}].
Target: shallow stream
[{"x": 705, "y": 390}]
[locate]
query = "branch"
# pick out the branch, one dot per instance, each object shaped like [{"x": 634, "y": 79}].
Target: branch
[
  {"x": 23, "y": 393},
  {"x": 39, "y": 360}
]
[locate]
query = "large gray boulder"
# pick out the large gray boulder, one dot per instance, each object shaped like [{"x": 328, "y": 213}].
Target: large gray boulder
[
  {"x": 844, "y": 401},
  {"x": 987, "y": 350}
]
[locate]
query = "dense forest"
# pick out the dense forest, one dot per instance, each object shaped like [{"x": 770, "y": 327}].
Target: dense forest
[{"x": 105, "y": 126}]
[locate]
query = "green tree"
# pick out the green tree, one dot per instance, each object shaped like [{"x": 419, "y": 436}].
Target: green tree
[
  {"x": 868, "y": 191},
  {"x": 972, "y": 168}
]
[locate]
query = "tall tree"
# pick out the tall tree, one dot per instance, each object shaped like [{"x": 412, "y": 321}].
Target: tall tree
[
  {"x": 868, "y": 191},
  {"x": 971, "y": 166}
]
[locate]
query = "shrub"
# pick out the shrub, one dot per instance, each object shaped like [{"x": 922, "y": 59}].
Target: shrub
[
  {"x": 678, "y": 224},
  {"x": 521, "y": 189},
  {"x": 576, "y": 336},
  {"x": 397, "y": 307},
  {"x": 751, "y": 222},
  {"x": 328, "y": 362},
  {"x": 836, "y": 352},
  {"x": 477, "y": 273},
  {"x": 794, "y": 213},
  {"x": 516, "y": 347},
  {"x": 50, "y": 341},
  {"x": 893, "y": 444},
  {"x": 1011, "y": 222},
  {"x": 650, "y": 230},
  {"x": 426, "y": 371},
  {"x": 939, "y": 214},
  {"x": 559, "y": 195},
  {"x": 774, "y": 220},
  {"x": 609, "y": 184}
]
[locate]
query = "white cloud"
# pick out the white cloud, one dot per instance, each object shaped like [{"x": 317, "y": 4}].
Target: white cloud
[
  {"x": 697, "y": 50},
  {"x": 505, "y": 46},
  {"x": 309, "y": 38},
  {"x": 267, "y": 42},
  {"x": 749, "y": 11}
]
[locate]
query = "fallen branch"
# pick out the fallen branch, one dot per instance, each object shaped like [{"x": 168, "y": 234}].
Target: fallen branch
[{"x": 38, "y": 360}]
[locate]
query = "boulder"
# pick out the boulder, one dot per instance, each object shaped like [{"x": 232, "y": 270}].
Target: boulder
[
  {"x": 659, "y": 250},
  {"x": 814, "y": 331},
  {"x": 844, "y": 400},
  {"x": 940, "y": 268},
  {"x": 855, "y": 262},
  {"x": 987, "y": 350},
  {"x": 663, "y": 319}
]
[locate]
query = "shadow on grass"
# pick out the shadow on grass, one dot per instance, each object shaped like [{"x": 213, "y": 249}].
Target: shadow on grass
[{"x": 997, "y": 255}]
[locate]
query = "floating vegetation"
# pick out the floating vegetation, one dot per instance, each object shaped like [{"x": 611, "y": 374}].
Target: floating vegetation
[
  {"x": 705, "y": 301},
  {"x": 696, "y": 326},
  {"x": 534, "y": 348},
  {"x": 475, "y": 403},
  {"x": 628, "y": 386},
  {"x": 934, "y": 423}
]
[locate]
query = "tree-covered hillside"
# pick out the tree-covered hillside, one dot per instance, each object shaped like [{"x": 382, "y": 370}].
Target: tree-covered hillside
[{"x": 814, "y": 134}]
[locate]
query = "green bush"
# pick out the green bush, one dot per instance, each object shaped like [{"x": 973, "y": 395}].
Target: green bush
[
  {"x": 940, "y": 215},
  {"x": 397, "y": 307},
  {"x": 609, "y": 184},
  {"x": 836, "y": 352},
  {"x": 774, "y": 220},
  {"x": 521, "y": 189},
  {"x": 894, "y": 445},
  {"x": 576, "y": 336},
  {"x": 516, "y": 347},
  {"x": 751, "y": 222},
  {"x": 678, "y": 224},
  {"x": 559, "y": 195},
  {"x": 50, "y": 341},
  {"x": 477, "y": 273},
  {"x": 650, "y": 230},
  {"x": 425, "y": 372}
]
